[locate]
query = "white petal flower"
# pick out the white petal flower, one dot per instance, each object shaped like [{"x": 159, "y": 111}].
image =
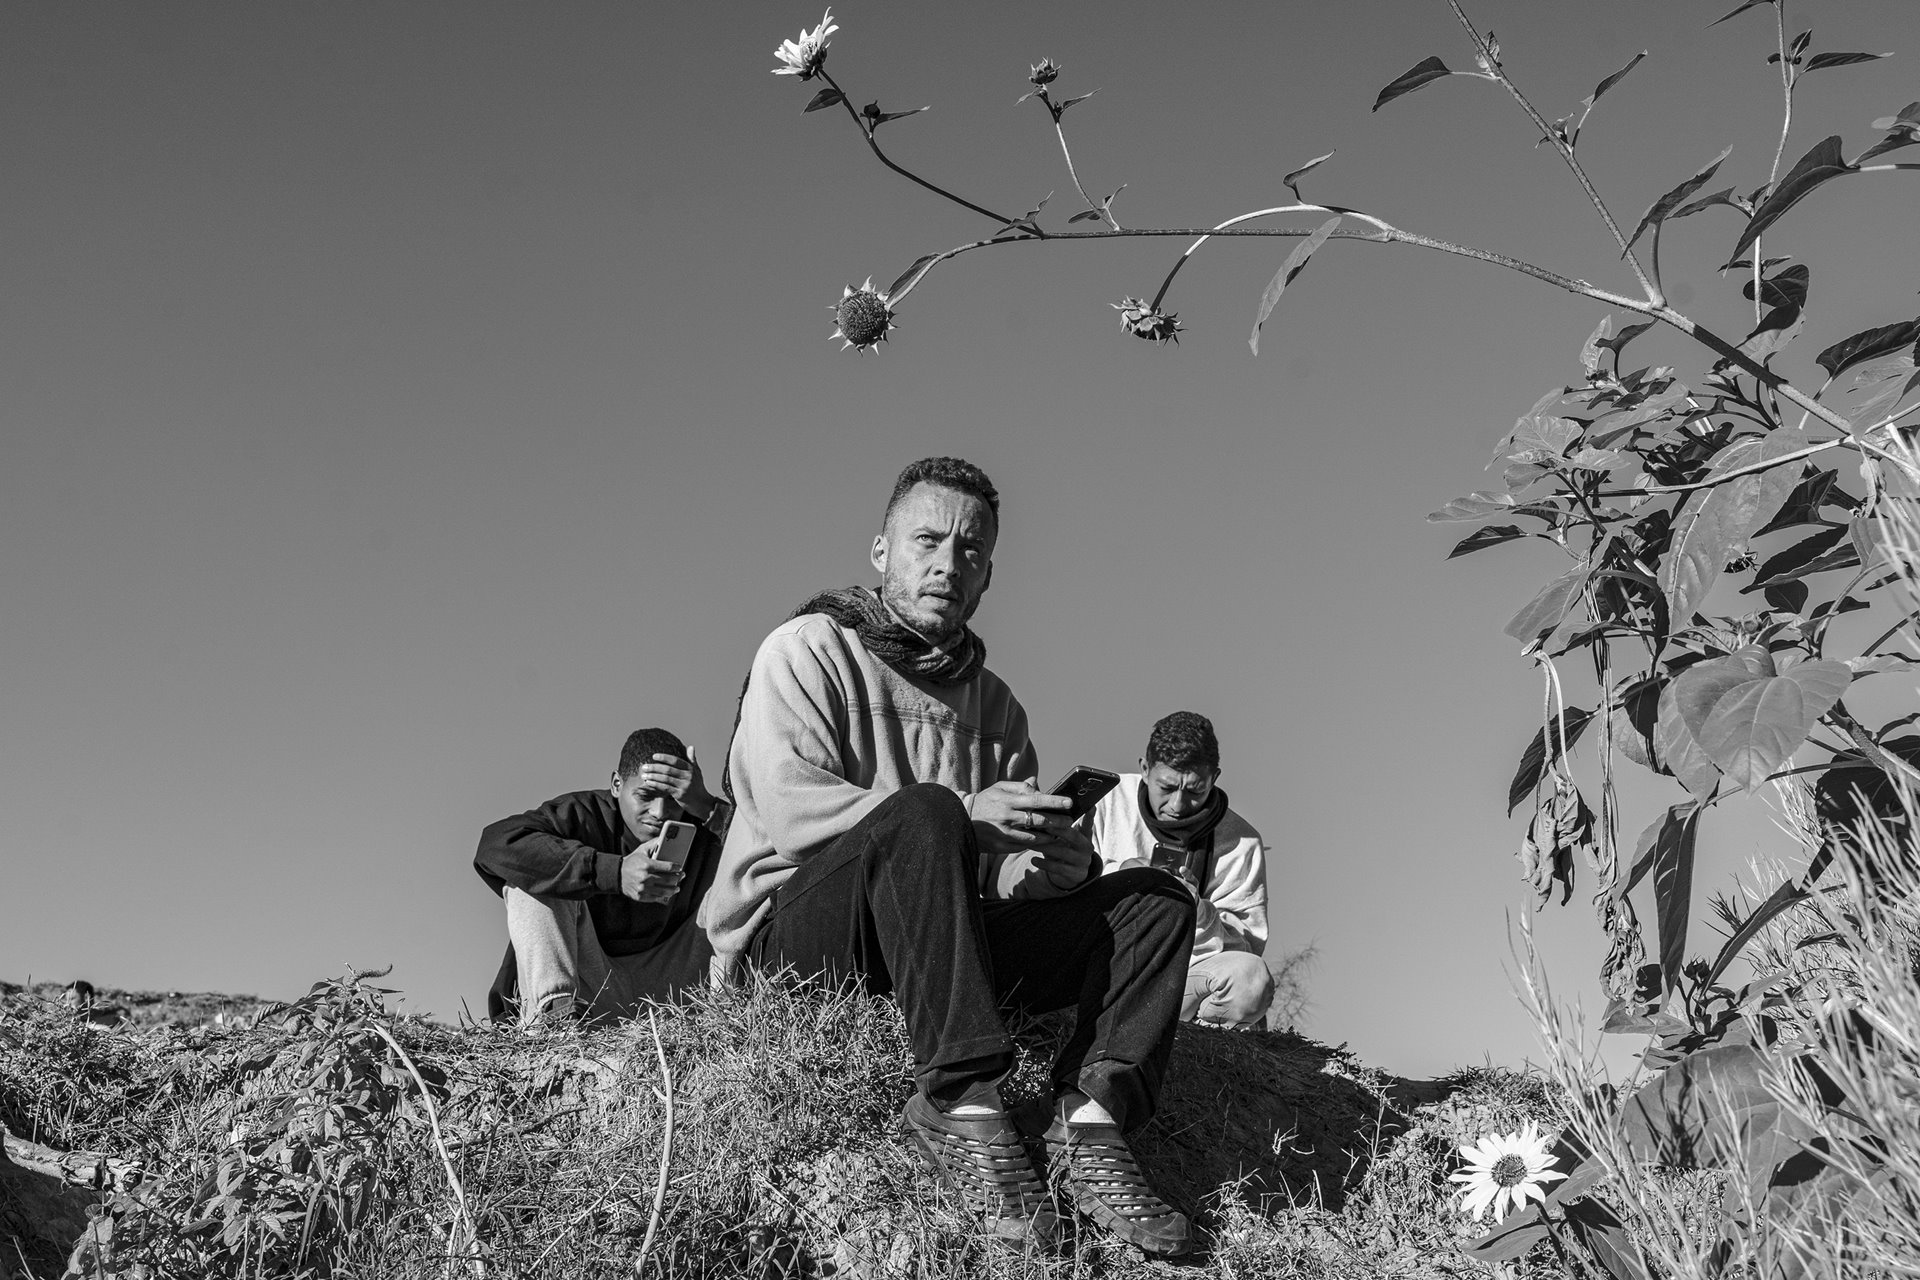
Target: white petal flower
[
  {"x": 804, "y": 55},
  {"x": 1504, "y": 1171}
]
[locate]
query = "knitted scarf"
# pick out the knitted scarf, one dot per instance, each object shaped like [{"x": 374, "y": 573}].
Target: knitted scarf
[
  {"x": 1184, "y": 842},
  {"x": 860, "y": 610}
]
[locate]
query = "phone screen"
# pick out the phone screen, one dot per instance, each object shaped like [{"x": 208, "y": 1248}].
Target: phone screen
[{"x": 676, "y": 842}]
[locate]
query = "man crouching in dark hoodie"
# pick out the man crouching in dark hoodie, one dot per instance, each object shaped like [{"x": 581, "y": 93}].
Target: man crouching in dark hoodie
[{"x": 596, "y": 923}]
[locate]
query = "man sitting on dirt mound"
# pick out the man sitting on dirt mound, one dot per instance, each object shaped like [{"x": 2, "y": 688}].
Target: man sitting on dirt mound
[
  {"x": 596, "y": 923},
  {"x": 1172, "y": 814},
  {"x": 889, "y": 830}
]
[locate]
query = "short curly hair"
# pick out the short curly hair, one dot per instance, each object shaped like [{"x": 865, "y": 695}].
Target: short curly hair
[
  {"x": 1183, "y": 741},
  {"x": 949, "y": 473},
  {"x": 642, "y": 745}
]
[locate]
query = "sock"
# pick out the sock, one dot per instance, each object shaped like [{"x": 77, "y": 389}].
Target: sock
[{"x": 1090, "y": 1112}]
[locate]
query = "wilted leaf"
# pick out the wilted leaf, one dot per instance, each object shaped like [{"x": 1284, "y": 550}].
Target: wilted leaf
[
  {"x": 1533, "y": 760},
  {"x": 1714, "y": 522},
  {"x": 1749, "y": 720},
  {"x": 1423, "y": 72},
  {"x": 1296, "y": 263},
  {"x": 1822, "y": 163},
  {"x": 1546, "y": 610},
  {"x": 1293, "y": 178},
  {"x": 1084, "y": 215},
  {"x": 1491, "y": 536},
  {"x": 1821, "y": 61},
  {"x": 911, "y": 275},
  {"x": 1678, "y": 753},
  {"x": 824, "y": 98},
  {"x": 1867, "y": 345},
  {"x": 1590, "y": 349},
  {"x": 1663, "y": 208}
]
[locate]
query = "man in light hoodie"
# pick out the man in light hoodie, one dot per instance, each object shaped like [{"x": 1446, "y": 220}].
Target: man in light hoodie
[
  {"x": 1173, "y": 815},
  {"x": 888, "y": 829}
]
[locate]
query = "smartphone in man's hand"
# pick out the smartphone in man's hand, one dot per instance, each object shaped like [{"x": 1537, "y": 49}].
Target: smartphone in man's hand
[
  {"x": 676, "y": 842},
  {"x": 1084, "y": 785}
]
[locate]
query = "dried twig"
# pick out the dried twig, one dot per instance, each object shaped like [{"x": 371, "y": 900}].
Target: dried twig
[
  {"x": 666, "y": 1147},
  {"x": 464, "y": 1220}
]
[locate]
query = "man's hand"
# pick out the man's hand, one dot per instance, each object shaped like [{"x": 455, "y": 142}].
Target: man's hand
[
  {"x": 681, "y": 780},
  {"x": 1011, "y": 817},
  {"x": 645, "y": 878},
  {"x": 1066, "y": 859}
]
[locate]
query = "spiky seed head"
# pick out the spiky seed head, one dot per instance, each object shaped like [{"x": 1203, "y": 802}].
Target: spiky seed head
[
  {"x": 864, "y": 317},
  {"x": 1044, "y": 73}
]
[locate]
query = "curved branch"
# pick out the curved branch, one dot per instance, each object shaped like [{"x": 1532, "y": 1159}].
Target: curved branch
[
  {"x": 1074, "y": 173},
  {"x": 909, "y": 175}
]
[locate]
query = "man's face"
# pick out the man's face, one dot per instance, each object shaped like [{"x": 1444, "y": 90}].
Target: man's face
[
  {"x": 1178, "y": 793},
  {"x": 643, "y": 808},
  {"x": 935, "y": 559}
]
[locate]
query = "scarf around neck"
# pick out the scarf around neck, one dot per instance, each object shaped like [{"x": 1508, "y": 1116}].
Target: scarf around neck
[
  {"x": 1188, "y": 834},
  {"x": 861, "y": 610}
]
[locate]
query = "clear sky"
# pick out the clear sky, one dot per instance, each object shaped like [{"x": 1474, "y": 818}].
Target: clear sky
[{"x": 402, "y": 402}]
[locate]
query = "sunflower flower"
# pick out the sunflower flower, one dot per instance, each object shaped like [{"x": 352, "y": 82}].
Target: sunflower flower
[
  {"x": 804, "y": 56},
  {"x": 1504, "y": 1171},
  {"x": 863, "y": 317}
]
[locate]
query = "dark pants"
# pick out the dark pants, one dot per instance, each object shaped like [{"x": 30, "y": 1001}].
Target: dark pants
[{"x": 894, "y": 903}]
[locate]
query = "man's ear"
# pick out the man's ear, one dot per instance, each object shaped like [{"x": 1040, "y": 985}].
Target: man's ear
[
  {"x": 878, "y": 556},
  {"x": 615, "y": 788},
  {"x": 989, "y": 581},
  {"x": 1143, "y": 766}
]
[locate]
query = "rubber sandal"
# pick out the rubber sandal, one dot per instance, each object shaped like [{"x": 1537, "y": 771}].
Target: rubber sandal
[
  {"x": 983, "y": 1162},
  {"x": 1098, "y": 1168}
]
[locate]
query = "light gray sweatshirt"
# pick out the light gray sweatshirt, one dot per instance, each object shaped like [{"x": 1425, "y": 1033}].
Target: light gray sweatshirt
[{"x": 826, "y": 732}]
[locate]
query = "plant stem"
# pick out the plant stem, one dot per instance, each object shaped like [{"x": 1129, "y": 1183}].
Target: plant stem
[
  {"x": 867, "y": 133},
  {"x": 1780, "y": 148},
  {"x": 666, "y": 1146},
  {"x": 1654, "y": 297},
  {"x": 465, "y": 1220},
  {"x": 1734, "y": 474},
  {"x": 1075, "y": 175}
]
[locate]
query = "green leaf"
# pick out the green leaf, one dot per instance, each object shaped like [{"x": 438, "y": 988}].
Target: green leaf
[
  {"x": 1423, "y": 72},
  {"x": 1822, "y": 163},
  {"x": 1534, "y": 759},
  {"x": 911, "y": 275},
  {"x": 1660, "y": 210},
  {"x": 1782, "y": 289},
  {"x": 1673, "y": 890},
  {"x": 1678, "y": 753},
  {"x": 1508, "y": 1242},
  {"x": 1296, "y": 263},
  {"x": 1491, "y": 536},
  {"x": 1715, "y": 522},
  {"x": 1855, "y": 790},
  {"x": 1291, "y": 180},
  {"x": 1547, "y": 609},
  {"x": 1779, "y": 900},
  {"x": 1748, "y": 719},
  {"x": 1723, "y": 196},
  {"x": 1616, "y": 77},
  {"x": 1607, "y": 1239},
  {"x": 1635, "y": 712},
  {"x": 1867, "y": 345},
  {"x": 1475, "y": 506},
  {"x": 1815, "y": 554},
  {"x": 1905, "y": 131},
  {"x": 824, "y": 98},
  {"x": 1062, "y": 108},
  {"x": 1749, "y": 4},
  {"x": 1678, "y": 822},
  {"x": 1821, "y": 61}
]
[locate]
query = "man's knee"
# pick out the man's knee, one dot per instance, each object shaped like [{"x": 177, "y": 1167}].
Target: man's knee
[
  {"x": 925, "y": 817},
  {"x": 923, "y": 803},
  {"x": 1156, "y": 895}
]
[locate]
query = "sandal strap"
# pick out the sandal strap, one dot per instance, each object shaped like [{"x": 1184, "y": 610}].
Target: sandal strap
[
  {"x": 1100, "y": 1161},
  {"x": 980, "y": 1155}
]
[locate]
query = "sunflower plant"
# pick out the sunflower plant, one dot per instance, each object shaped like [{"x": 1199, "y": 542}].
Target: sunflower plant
[{"x": 1716, "y": 522}]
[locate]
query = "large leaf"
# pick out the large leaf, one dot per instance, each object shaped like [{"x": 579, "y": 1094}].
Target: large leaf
[
  {"x": 1673, "y": 890},
  {"x": 1296, "y": 263},
  {"x": 1850, "y": 793},
  {"x": 1606, "y": 1237},
  {"x": 1507, "y": 1242},
  {"x": 1715, "y": 522},
  {"x": 1815, "y": 554},
  {"x": 1475, "y": 506},
  {"x": 1904, "y": 132},
  {"x": 1678, "y": 823},
  {"x": 1678, "y": 753},
  {"x": 1635, "y": 711},
  {"x": 1821, "y": 164},
  {"x": 1548, "y": 609},
  {"x": 1423, "y": 72},
  {"x": 1749, "y": 720},
  {"x": 1708, "y": 1110},
  {"x": 1867, "y": 345},
  {"x": 1533, "y": 760},
  {"x": 1663, "y": 208}
]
